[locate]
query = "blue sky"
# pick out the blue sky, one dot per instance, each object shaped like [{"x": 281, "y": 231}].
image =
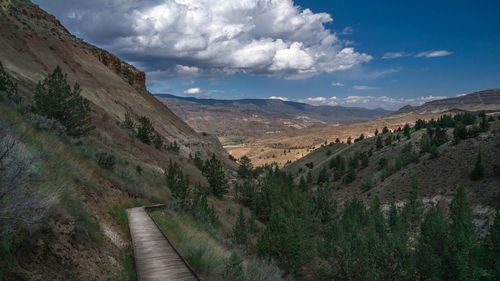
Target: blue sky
[{"x": 354, "y": 53}]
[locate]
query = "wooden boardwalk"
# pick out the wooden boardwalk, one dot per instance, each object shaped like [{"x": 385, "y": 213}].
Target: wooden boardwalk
[{"x": 155, "y": 258}]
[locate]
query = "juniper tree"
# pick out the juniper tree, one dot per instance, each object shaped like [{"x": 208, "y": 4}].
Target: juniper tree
[
  {"x": 490, "y": 251},
  {"x": 214, "y": 172},
  {"x": 128, "y": 123},
  {"x": 157, "y": 141},
  {"x": 407, "y": 131},
  {"x": 461, "y": 263},
  {"x": 145, "y": 130},
  {"x": 56, "y": 99},
  {"x": 240, "y": 229},
  {"x": 245, "y": 169},
  {"x": 7, "y": 87}
]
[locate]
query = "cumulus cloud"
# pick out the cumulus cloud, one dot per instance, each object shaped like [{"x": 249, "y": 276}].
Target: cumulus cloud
[
  {"x": 363, "y": 88},
  {"x": 211, "y": 37},
  {"x": 337, "y": 84},
  {"x": 391, "y": 103},
  {"x": 193, "y": 91},
  {"x": 434, "y": 54},
  {"x": 278, "y": 98},
  {"x": 320, "y": 101}
]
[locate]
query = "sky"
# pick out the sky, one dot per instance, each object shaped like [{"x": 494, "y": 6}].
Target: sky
[{"x": 323, "y": 52}]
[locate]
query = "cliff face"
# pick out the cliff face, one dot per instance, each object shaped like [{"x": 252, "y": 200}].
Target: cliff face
[
  {"x": 133, "y": 76},
  {"x": 31, "y": 14}
]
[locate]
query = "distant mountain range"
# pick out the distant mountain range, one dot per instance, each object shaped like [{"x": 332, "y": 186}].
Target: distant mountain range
[
  {"x": 488, "y": 100},
  {"x": 325, "y": 113},
  {"x": 257, "y": 117}
]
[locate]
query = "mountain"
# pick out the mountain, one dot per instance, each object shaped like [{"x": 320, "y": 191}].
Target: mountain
[
  {"x": 246, "y": 118},
  {"x": 487, "y": 100}
]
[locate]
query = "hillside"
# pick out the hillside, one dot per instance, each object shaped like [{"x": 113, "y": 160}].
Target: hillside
[
  {"x": 437, "y": 176},
  {"x": 33, "y": 43},
  {"x": 488, "y": 100},
  {"x": 250, "y": 119}
]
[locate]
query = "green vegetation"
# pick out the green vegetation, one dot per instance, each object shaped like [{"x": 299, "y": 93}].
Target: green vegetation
[
  {"x": 214, "y": 172},
  {"x": 56, "y": 99},
  {"x": 207, "y": 253}
]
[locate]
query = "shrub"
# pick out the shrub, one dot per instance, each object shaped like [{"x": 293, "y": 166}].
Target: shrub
[
  {"x": 367, "y": 183},
  {"x": 8, "y": 89},
  {"x": 157, "y": 141},
  {"x": 128, "y": 123},
  {"x": 105, "y": 159},
  {"x": 22, "y": 206},
  {"x": 45, "y": 124}
]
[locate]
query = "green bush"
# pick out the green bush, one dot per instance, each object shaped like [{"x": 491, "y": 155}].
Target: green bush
[{"x": 106, "y": 160}]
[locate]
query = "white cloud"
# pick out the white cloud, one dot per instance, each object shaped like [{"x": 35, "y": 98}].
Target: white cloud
[
  {"x": 278, "y": 98},
  {"x": 320, "y": 101},
  {"x": 434, "y": 54},
  {"x": 193, "y": 91},
  {"x": 395, "y": 55},
  {"x": 363, "y": 88},
  {"x": 348, "y": 30},
  {"x": 337, "y": 84},
  {"x": 212, "y": 37},
  {"x": 391, "y": 103}
]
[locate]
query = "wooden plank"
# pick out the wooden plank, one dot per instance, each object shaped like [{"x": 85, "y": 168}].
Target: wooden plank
[{"x": 155, "y": 258}]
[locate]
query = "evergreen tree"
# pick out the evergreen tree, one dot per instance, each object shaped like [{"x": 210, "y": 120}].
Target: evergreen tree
[
  {"x": 176, "y": 181},
  {"x": 245, "y": 169},
  {"x": 484, "y": 125},
  {"x": 56, "y": 99},
  {"x": 322, "y": 176},
  {"x": 461, "y": 263},
  {"x": 407, "y": 131},
  {"x": 8, "y": 88},
  {"x": 414, "y": 208},
  {"x": 379, "y": 144},
  {"x": 490, "y": 251},
  {"x": 157, "y": 141},
  {"x": 478, "y": 171},
  {"x": 214, "y": 172},
  {"x": 376, "y": 132},
  {"x": 431, "y": 249},
  {"x": 349, "y": 140},
  {"x": 128, "y": 123},
  {"x": 385, "y": 130},
  {"x": 240, "y": 229},
  {"x": 459, "y": 133},
  {"x": 145, "y": 131}
]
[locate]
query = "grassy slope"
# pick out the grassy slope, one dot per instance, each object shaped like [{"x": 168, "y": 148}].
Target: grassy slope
[
  {"x": 88, "y": 201},
  {"x": 437, "y": 177}
]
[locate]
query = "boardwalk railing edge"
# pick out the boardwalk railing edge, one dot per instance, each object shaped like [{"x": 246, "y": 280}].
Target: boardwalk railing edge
[{"x": 163, "y": 206}]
